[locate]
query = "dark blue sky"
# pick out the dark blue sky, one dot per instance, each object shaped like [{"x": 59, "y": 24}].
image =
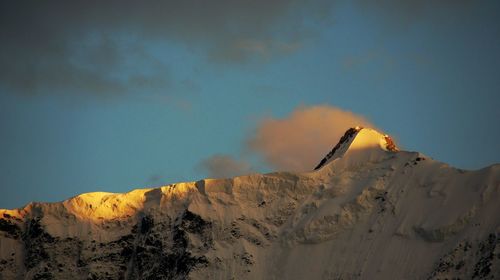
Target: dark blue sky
[{"x": 117, "y": 96}]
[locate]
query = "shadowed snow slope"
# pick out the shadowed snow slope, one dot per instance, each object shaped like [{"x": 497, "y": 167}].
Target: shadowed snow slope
[{"x": 369, "y": 211}]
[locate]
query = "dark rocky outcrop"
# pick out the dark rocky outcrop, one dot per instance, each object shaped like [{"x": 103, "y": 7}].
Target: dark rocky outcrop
[
  {"x": 10, "y": 229},
  {"x": 346, "y": 137}
]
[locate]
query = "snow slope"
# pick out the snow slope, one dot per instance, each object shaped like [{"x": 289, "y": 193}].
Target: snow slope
[{"x": 369, "y": 211}]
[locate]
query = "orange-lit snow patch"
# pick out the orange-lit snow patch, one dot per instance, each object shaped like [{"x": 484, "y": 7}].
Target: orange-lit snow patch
[{"x": 102, "y": 206}]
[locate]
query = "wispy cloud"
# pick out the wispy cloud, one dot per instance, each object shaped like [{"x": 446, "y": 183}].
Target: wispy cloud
[
  {"x": 401, "y": 14},
  {"x": 224, "y": 166}
]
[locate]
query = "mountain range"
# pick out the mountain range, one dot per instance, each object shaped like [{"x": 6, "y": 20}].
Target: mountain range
[{"x": 367, "y": 211}]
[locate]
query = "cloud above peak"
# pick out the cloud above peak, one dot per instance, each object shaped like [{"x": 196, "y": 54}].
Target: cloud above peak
[{"x": 298, "y": 141}]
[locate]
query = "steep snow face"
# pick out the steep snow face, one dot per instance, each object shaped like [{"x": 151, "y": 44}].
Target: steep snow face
[
  {"x": 367, "y": 213},
  {"x": 361, "y": 143}
]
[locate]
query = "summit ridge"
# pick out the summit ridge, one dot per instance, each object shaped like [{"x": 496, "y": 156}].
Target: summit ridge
[{"x": 356, "y": 138}]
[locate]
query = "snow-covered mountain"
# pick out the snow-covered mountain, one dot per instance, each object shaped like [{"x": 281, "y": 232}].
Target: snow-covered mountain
[{"x": 368, "y": 211}]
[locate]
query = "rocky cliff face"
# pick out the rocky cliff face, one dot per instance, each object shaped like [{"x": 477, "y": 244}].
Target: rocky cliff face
[{"x": 367, "y": 213}]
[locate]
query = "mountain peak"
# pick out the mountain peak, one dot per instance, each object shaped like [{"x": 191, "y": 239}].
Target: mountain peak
[{"x": 359, "y": 138}]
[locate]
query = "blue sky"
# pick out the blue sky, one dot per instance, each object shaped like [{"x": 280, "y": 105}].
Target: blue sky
[{"x": 93, "y": 101}]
